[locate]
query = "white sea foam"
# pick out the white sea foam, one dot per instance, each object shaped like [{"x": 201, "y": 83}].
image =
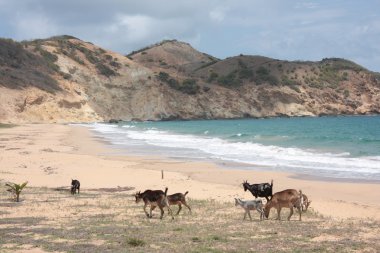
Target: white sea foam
[{"x": 294, "y": 159}]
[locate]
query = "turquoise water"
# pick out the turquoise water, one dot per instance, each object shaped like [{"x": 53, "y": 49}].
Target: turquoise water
[{"x": 342, "y": 147}]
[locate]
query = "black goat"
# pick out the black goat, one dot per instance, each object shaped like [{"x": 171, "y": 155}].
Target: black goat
[
  {"x": 259, "y": 190},
  {"x": 75, "y": 185}
]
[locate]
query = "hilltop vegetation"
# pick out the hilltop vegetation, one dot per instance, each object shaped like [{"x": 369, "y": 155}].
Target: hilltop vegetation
[
  {"x": 64, "y": 79},
  {"x": 20, "y": 68}
]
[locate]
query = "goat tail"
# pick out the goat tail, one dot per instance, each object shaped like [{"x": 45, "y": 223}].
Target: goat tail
[
  {"x": 271, "y": 183},
  {"x": 186, "y": 193},
  {"x": 166, "y": 191}
]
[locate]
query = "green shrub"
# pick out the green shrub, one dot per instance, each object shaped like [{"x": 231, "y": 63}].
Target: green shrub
[
  {"x": 66, "y": 75},
  {"x": 163, "y": 76},
  {"x": 189, "y": 86},
  {"x": 115, "y": 64},
  {"x": 104, "y": 70},
  {"x": 21, "y": 68},
  {"x": 295, "y": 88},
  {"x": 229, "y": 80},
  {"x": 263, "y": 76},
  {"x": 108, "y": 57},
  {"x": 345, "y": 76},
  {"x": 213, "y": 76},
  {"x": 287, "y": 82},
  {"x": 246, "y": 73},
  {"x": 48, "y": 56}
]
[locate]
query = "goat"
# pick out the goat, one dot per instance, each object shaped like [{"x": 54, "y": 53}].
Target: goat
[
  {"x": 305, "y": 203},
  {"x": 75, "y": 185},
  {"x": 154, "y": 198},
  {"x": 256, "y": 204},
  {"x": 178, "y": 199},
  {"x": 288, "y": 199},
  {"x": 259, "y": 190}
]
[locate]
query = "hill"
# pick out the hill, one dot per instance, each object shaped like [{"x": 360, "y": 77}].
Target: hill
[{"x": 64, "y": 79}]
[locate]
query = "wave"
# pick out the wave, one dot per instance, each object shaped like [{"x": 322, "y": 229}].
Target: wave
[{"x": 289, "y": 158}]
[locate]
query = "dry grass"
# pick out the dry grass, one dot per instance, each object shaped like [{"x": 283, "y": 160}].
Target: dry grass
[{"x": 107, "y": 221}]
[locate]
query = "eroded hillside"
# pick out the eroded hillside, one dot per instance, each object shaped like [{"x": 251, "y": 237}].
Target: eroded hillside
[{"x": 64, "y": 79}]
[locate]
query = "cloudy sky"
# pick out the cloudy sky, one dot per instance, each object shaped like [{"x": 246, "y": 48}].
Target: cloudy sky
[{"x": 282, "y": 29}]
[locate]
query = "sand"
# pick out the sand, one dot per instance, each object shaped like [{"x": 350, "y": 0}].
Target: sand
[{"x": 51, "y": 155}]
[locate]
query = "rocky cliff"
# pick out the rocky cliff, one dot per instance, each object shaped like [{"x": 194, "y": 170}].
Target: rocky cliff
[{"x": 64, "y": 79}]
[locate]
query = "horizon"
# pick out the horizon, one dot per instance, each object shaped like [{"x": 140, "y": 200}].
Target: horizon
[{"x": 302, "y": 30}]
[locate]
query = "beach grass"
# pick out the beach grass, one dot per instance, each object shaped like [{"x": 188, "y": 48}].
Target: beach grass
[
  {"x": 97, "y": 221},
  {"x": 2, "y": 125}
]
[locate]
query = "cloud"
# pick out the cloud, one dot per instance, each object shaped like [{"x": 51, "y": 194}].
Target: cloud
[
  {"x": 284, "y": 29},
  {"x": 136, "y": 27},
  {"x": 218, "y": 14},
  {"x": 33, "y": 26}
]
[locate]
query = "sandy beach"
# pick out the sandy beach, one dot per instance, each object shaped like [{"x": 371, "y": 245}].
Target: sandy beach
[
  {"x": 343, "y": 216},
  {"x": 51, "y": 155}
]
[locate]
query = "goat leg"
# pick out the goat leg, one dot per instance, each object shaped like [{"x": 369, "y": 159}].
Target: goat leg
[
  {"x": 278, "y": 213},
  {"x": 291, "y": 213},
  {"x": 170, "y": 212},
  {"x": 162, "y": 212},
  {"x": 300, "y": 211},
  {"x": 260, "y": 210},
  {"x": 146, "y": 211},
  {"x": 187, "y": 206},
  {"x": 179, "y": 208},
  {"x": 249, "y": 214}
]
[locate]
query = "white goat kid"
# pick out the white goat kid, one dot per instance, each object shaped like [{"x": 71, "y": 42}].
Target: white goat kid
[{"x": 248, "y": 205}]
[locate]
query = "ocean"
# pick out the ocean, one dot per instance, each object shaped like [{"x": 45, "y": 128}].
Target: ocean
[{"x": 346, "y": 147}]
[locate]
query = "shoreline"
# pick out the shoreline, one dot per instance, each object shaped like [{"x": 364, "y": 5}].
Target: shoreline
[
  {"x": 227, "y": 164},
  {"x": 50, "y": 155}
]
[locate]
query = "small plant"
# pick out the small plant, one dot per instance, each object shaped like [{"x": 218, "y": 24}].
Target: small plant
[
  {"x": 16, "y": 189},
  {"x": 134, "y": 242},
  {"x": 195, "y": 239},
  {"x": 212, "y": 77},
  {"x": 163, "y": 76},
  {"x": 104, "y": 70}
]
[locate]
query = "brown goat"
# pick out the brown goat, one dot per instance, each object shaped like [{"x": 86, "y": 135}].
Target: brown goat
[
  {"x": 154, "y": 198},
  {"x": 288, "y": 199},
  {"x": 178, "y": 199}
]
